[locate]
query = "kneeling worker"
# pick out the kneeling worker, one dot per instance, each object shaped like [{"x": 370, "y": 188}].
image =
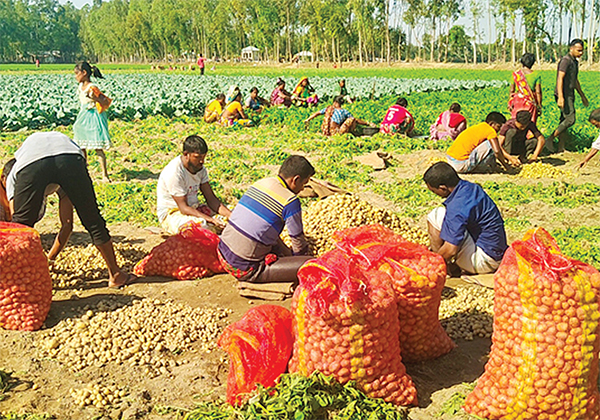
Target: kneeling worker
[
  {"x": 251, "y": 249},
  {"x": 53, "y": 158},
  {"x": 178, "y": 186},
  {"x": 513, "y": 137},
  {"x": 468, "y": 230}
]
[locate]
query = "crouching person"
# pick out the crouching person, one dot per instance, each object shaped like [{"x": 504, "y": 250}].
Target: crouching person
[
  {"x": 468, "y": 230},
  {"x": 177, "y": 191},
  {"x": 251, "y": 249}
]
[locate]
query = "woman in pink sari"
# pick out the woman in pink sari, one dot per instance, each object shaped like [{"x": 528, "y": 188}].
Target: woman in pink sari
[
  {"x": 449, "y": 124},
  {"x": 280, "y": 96},
  {"x": 526, "y": 89}
]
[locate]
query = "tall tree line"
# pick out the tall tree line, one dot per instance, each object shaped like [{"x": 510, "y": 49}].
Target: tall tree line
[{"x": 333, "y": 30}]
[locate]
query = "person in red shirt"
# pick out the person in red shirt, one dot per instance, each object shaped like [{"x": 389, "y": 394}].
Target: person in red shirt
[
  {"x": 201, "y": 63},
  {"x": 398, "y": 119}
]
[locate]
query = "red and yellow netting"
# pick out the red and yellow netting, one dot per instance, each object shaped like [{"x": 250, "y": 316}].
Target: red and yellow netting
[
  {"x": 544, "y": 359},
  {"x": 25, "y": 283}
]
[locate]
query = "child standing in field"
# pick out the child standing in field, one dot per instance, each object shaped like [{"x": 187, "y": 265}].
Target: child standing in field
[
  {"x": 90, "y": 130},
  {"x": 595, "y": 120}
]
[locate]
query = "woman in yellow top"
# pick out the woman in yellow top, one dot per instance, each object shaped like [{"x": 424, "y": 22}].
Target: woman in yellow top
[
  {"x": 475, "y": 150},
  {"x": 304, "y": 94},
  {"x": 234, "y": 114},
  {"x": 214, "y": 109}
]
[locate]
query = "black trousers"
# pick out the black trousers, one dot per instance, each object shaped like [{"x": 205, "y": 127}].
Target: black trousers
[
  {"x": 567, "y": 114},
  {"x": 519, "y": 147},
  {"x": 70, "y": 172}
]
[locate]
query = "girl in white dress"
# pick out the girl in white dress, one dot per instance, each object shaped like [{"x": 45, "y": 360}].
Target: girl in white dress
[{"x": 91, "y": 127}]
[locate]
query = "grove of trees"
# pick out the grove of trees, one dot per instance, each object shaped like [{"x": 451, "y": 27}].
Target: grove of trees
[{"x": 333, "y": 30}]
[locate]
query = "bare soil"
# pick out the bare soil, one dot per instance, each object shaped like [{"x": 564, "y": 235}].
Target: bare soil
[{"x": 42, "y": 385}]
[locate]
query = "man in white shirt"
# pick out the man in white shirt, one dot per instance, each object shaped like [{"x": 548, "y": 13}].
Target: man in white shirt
[
  {"x": 53, "y": 158},
  {"x": 178, "y": 186}
]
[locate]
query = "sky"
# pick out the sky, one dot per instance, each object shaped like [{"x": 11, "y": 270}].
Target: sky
[{"x": 77, "y": 3}]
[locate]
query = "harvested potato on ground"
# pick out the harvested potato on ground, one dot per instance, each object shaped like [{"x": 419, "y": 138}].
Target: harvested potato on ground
[
  {"x": 339, "y": 212},
  {"x": 467, "y": 312},
  {"x": 537, "y": 170},
  {"x": 146, "y": 333}
]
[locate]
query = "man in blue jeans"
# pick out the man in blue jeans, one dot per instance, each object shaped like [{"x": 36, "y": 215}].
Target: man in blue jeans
[{"x": 468, "y": 230}]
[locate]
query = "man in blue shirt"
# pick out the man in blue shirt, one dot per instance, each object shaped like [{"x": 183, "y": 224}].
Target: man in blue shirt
[{"x": 468, "y": 230}]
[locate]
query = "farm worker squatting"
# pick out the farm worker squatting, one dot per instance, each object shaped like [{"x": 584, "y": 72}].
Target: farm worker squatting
[
  {"x": 251, "y": 249},
  {"x": 397, "y": 119},
  {"x": 214, "y": 109},
  {"x": 337, "y": 120},
  {"x": 468, "y": 230},
  {"x": 513, "y": 137},
  {"x": 450, "y": 124},
  {"x": 595, "y": 121},
  {"x": 53, "y": 158},
  {"x": 476, "y": 148},
  {"x": 178, "y": 186}
]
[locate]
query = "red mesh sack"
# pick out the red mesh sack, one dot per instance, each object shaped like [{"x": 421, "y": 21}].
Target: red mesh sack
[
  {"x": 259, "y": 347},
  {"x": 544, "y": 358},
  {"x": 346, "y": 325},
  {"x": 418, "y": 277},
  {"x": 25, "y": 283},
  {"x": 191, "y": 254}
]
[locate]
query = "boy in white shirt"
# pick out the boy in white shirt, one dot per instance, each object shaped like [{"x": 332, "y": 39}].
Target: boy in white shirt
[
  {"x": 595, "y": 120},
  {"x": 178, "y": 186}
]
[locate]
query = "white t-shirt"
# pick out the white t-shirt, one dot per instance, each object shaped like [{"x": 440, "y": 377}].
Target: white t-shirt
[
  {"x": 596, "y": 144},
  {"x": 37, "y": 147},
  {"x": 176, "y": 181}
]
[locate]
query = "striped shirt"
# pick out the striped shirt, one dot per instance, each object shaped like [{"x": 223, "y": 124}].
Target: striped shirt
[
  {"x": 257, "y": 221},
  {"x": 339, "y": 115}
]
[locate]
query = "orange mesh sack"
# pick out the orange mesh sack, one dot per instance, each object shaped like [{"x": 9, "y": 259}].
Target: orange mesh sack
[
  {"x": 25, "y": 283},
  {"x": 259, "y": 347},
  {"x": 191, "y": 254},
  {"x": 346, "y": 326},
  {"x": 544, "y": 358},
  {"x": 418, "y": 277}
]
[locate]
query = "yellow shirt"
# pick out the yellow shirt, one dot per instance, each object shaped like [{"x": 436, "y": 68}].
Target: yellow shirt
[
  {"x": 469, "y": 139},
  {"x": 214, "y": 106},
  {"x": 234, "y": 106}
]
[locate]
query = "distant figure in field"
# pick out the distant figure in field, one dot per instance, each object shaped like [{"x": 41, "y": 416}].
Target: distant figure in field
[
  {"x": 214, "y": 109},
  {"x": 280, "y": 96},
  {"x": 304, "y": 94},
  {"x": 526, "y": 89},
  {"x": 515, "y": 140},
  {"x": 449, "y": 124},
  {"x": 595, "y": 120},
  {"x": 344, "y": 91},
  {"x": 254, "y": 102},
  {"x": 397, "y": 119},
  {"x": 475, "y": 150},
  {"x": 200, "y": 62},
  {"x": 90, "y": 130},
  {"x": 567, "y": 82},
  {"x": 233, "y": 114},
  {"x": 337, "y": 120}
]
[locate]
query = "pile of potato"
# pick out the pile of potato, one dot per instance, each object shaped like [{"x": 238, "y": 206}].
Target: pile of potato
[
  {"x": 539, "y": 170},
  {"x": 467, "y": 312},
  {"x": 146, "y": 333},
  {"x": 339, "y": 212},
  {"x": 98, "y": 396},
  {"x": 74, "y": 264}
]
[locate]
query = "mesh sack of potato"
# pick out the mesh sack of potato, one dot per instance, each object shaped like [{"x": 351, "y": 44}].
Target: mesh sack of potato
[
  {"x": 191, "y": 254},
  {"x": 544, "y": 358},
  {"x": 259, "y": 347},
  {"x": 346, "y": 325},
  {"x": 25, "y": 283},
  {"x": 418, "y": 277}
]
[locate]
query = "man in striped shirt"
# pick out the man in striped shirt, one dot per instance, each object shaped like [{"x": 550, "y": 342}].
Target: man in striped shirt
[{"x": 251, "y": 248}]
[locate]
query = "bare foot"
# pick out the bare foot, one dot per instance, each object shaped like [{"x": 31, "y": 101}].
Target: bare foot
[
  {"x": 121, "y": 279},
  {"x": 106, "y": 179}
]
